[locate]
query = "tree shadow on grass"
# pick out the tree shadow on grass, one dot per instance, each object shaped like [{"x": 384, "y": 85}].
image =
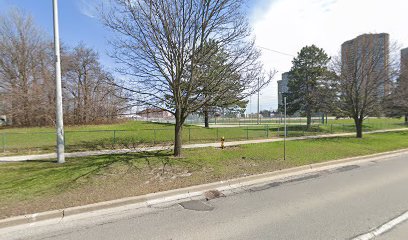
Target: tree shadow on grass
[
  {"x": 149, "y": 159},
  {"x": 62, "y": 177}
]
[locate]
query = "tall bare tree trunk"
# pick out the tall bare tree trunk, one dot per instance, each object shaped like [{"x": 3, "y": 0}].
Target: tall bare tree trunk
[
  {"x": 206, "y": 118},
  {"x": 26, "y": 100},
  {"x": 359, "y": 127},
  {"x": 178, "y": 133},
  {"x": 309, "y": 120}
]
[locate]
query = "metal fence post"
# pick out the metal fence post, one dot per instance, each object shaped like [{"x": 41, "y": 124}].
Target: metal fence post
[
  {"x": 189, "y": 134},
  {"x": 65, "y": 139},
  {"x": 331, "y": 128},
  {"x": 114, "y": 138},
  {"x": 4, "y": 142},
  {"x": 217, "y": 134},
  {"x": 247, "y": 133},
  {"x": 154, "y": 139},
  {"x": 267, "y": 131}
]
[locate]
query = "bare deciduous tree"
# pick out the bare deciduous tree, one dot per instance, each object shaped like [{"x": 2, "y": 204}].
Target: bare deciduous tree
[
  {"x": 25, "y": 72},
  {"x": 27, "y": 85},
  {"x": 158, "y": 44},
  {"x": 365, "y": 72},
  {"x": 90, "y": 92}
]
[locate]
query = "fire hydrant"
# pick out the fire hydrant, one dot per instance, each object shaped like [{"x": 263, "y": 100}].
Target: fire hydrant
[{"x": 222, "y": 142}]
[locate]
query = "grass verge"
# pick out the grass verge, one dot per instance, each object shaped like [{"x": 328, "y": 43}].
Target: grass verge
[{"x": 34, "y": 186}]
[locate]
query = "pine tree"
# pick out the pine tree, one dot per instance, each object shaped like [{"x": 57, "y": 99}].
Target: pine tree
[{"x": 308, "y": 79}]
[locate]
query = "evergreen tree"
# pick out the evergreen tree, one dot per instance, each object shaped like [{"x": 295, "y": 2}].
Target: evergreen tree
[
  {"x": 210, "y": 70},
  {"x": 308, "y": 82}
]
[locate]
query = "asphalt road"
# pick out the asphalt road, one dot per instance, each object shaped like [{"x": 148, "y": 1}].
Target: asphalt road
[
  {"x": 399, "y": 232},
  {"x": 337, "y": 204}
]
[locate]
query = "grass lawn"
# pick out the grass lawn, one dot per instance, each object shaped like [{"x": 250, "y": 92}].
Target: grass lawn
[
  {"x": 34, "y": 186},
  {"x": 14, "y": 141}
]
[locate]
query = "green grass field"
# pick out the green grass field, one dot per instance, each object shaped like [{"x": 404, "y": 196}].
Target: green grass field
[
  {"x": 134, "y": 134},
  {"x": 42, "y": 185}
]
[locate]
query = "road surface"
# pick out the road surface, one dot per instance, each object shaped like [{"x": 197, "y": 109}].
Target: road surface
[
  {"x": 399, "y": 232},
  {"x": 338, "y": 204}
]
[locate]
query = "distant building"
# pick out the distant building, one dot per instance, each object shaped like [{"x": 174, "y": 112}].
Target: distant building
[
  {"x": 354, "y": 52},
  {"x": 3, "y": 120},
  {"x": 154, "y": 113},
  {"x": 283, "y": 87},
  {"x": 404, "y": 65}
]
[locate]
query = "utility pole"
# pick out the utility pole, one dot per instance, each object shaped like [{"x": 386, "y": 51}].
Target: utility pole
[
  {"x": 284, "y": 136},
  {"x": 259, "y": 117},
  {"x": 58, "y": 90}
]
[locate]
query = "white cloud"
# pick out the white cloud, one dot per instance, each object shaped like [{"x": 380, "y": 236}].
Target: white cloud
[
  {"x": 87, "y": 8},
  {"x": 289, "y": 25}
]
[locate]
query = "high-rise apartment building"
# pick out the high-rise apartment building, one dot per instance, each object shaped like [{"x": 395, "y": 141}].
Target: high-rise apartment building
[
  {"x": 283, "y": 87},
  {"x": 367, "y": 56}
]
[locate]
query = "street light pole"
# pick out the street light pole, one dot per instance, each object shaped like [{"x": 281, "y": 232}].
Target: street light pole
[
  {"x": 258, "y": 116},
  {"x": 58, "y": 90}
]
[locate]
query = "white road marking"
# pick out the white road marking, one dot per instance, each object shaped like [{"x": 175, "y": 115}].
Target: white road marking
[{"x": 384, "y": 228}]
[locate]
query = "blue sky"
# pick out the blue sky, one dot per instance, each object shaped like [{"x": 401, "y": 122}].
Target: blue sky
[
  {"x": 78, "y": 21},
  {"x": 75, "y": 26},
  {"x": 282, "y": 25}
]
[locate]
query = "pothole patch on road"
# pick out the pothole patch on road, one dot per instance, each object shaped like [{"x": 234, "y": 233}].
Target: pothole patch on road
[
  {"x": 196, "y": 205},
  {"x": 303, "y": 178},
  {"x": 347, "y": 168},
  {"x": 277, "y": 184},
  {"x": 265, "y": 187}
]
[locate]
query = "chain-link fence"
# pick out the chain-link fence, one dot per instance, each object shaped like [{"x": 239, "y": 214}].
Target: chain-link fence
[
  {"x": 12, "y": 143},
  {"x": 248, "y": 120}
]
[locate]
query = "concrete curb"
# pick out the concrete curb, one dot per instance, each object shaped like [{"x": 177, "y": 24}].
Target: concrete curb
[
  {"x": 187, "y": 146},
  {"x": 194, "y": 192}
]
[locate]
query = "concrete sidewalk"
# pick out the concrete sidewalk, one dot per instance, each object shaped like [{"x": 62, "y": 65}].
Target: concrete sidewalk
[{"x": 187, "y": 146}]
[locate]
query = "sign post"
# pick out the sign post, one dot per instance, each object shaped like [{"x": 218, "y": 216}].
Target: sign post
[{"x": 285, "y": 134}]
